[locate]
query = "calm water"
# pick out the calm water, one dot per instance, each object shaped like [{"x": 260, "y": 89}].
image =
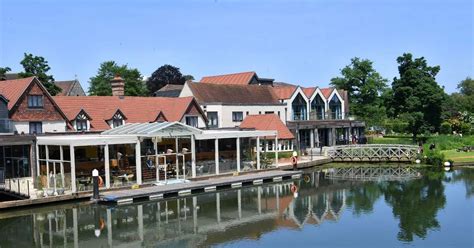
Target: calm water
[{"x": 435, "y": 210}]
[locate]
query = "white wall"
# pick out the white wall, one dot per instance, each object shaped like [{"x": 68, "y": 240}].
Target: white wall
[
  {"x": 48, "y": 126},
  {"x": 201, "y": 122},
  {"x": 224, "y": 112}
]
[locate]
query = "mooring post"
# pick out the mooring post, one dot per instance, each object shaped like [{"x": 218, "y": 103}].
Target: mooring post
[{"x": 95, "y": 181}]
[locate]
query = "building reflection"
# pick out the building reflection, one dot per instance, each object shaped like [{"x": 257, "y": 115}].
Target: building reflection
[{"x": 220, "y": 217}]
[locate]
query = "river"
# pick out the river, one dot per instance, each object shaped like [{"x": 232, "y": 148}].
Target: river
[{"x": 362, "y": 208}]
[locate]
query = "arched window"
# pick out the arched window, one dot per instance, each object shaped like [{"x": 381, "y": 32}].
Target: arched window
[
  {"x": 299, "y": 108},
  {"x": 117, "y": 120},
  {"x": 81, "y": 122},
  {"x": 317, "y": 108},
  {"x": 335, "y": 108}
]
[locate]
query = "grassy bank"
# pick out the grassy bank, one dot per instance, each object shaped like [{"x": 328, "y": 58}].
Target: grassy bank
[{"x": 446, "y": 146}]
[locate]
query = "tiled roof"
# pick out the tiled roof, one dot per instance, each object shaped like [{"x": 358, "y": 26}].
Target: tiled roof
[
  {"x": 14, "y": 89},
  {"x": 242, "y": 78},
  {"x": 327, "y": 92},
  {"x": 267, "y": 122},
  {"x": 284, "y": 92},
  {"x": 169, "y": 90},
  {"x": 135, "y": 109},
  {"x": 70, "y": 88},
  {"x": 309, "y": 91},
  {"x": 233, "y": 94}
]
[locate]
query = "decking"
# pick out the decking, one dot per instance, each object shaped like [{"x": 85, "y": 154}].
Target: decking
[{"x": 181, "y": 189}]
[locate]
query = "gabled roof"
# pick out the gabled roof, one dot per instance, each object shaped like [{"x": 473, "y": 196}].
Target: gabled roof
[
  {"x": 327, "y": 92},
  {"x": 70, "y": 88},
  {"x": 267, "y": 122},
  {"x": 233, "y": 94},
  {"x": 14, "y": 89},
  {"x": 242, "y": 78},
  {"x": 284, "y": 92},
  {"x": 136, "y": 109},
  {"x": 169, "y": 90},
  {"x": 309, "y": 91}
]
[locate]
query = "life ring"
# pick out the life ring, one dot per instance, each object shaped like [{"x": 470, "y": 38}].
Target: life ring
[
  {"x": 101, "y": 181},
  {"x": 101, "y": 224},
  {"x": 306, "y": 178},
  {"x": 294, "y": 160},
  {"x": 294, "y": 188}
]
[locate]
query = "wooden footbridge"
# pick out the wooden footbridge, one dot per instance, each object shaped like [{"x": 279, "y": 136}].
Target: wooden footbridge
[{"x": 379, "y": 152}]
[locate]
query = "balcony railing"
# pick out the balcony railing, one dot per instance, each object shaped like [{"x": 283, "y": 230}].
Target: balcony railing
[{"x": 6, "y": 126}]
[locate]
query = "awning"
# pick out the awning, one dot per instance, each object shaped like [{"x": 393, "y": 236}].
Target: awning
[{"x": 154, "y": 129}]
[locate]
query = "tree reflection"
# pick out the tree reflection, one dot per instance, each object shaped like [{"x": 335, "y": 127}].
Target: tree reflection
[
  {"x": 362, "y": 198},
  {"x": 416, "y": 203},
  {"x": 467, "y": 177}
]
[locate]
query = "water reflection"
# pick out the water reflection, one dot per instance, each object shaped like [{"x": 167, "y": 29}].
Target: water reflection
[{"x": 227, "y": 216}]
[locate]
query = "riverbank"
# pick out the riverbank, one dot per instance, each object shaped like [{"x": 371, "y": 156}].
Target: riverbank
[{"x": 447, "y": 147}]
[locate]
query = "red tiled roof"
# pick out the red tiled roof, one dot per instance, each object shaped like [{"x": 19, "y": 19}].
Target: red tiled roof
[
  {"x": 267, "y": 122},
  {"x": 233, "y": 94},
  {"x": 284, "y": 92},
  {"x": 135, "y": 109},
  {"x": 14, "y": 89},
  {"x": 327, "y": 92},
  {"x": 309, "y": 91},
  {"x": 241, "y": 78}
]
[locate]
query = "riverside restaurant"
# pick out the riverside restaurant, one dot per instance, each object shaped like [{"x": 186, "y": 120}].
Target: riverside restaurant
[{"x": 145, "y": 153}]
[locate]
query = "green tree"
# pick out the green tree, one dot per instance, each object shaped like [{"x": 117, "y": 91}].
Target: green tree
[
  {"x": 188, "y": 77},
  {"x": 38, "y": 66},
  {"x": 99, "y": 85},
  {"x": 3, "y": 72},
  {"x": 416, "y": 96},
  {"x": 365, "y": 87},
  {"x": 464, "y": 100},
  {"x": 166, "y": 74}
]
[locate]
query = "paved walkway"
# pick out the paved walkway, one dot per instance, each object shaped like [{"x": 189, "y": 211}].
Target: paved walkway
[{"x": 156, "y": 192}]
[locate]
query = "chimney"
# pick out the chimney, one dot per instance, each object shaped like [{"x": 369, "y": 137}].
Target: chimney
[{"x": 118, "y": 86}]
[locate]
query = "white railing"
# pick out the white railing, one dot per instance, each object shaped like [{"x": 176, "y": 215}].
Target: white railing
[{"x": 372, "y": 152}]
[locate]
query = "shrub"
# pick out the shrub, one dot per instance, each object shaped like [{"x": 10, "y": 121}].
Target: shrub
[
  {"x": 445, "y": 128},
  {"x": 465, "y": 128},
  {"x": 434, "y": 157}
]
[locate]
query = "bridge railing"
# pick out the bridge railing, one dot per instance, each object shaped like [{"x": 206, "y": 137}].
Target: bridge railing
[{"x": 373, "y": 152}]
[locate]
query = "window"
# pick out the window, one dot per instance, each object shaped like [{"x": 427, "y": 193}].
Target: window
[
  {"x": 117, "y": 120},
  {"x": 36, "y": 127},
  {"x": 81, "y": 122},
  {"x": 269, "y": 112},
  {"x": 247, "y": 113},
  {"x": 35, "y": 101},
  {"x": 237, "y": 116},
  {"x": 213, "y": 119},
  {"x": 192, "y": 121}
]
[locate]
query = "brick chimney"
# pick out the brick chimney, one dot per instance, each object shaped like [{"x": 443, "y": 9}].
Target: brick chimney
[{"x": 118, "y": 86}]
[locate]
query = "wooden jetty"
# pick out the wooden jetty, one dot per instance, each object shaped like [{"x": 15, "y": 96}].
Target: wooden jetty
[{"x": 182, "y": 189}]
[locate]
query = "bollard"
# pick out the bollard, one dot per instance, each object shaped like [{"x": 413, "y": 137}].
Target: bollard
[{"x": 95, "y": 183}]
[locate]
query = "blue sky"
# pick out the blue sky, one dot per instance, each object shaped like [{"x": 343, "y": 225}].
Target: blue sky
[{"x": 303, "y": 42}]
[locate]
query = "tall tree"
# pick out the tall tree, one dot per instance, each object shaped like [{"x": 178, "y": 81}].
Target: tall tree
[
  {"x": 464, "y": 100},
  {"x": 3, "y": 72},
  {"x": 364, "y": 86},
  {"x": 99, "y": 85},
  {"x": 417, "y": 98},
  {"x": 166, "y": 74},
  {"x": 38, "y": 66}
]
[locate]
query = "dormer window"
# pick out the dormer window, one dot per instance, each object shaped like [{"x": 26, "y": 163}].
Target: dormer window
[
  {"x": 117, "y": 120},
  {"x": 82, "y": 122}
]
